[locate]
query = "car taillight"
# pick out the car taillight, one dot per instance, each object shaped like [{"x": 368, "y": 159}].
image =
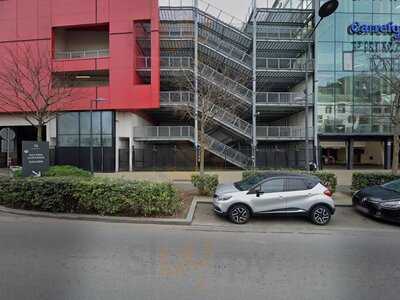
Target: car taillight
[{"x": 328, "y": 193}]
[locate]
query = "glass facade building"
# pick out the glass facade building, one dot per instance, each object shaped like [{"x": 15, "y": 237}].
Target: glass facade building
[{"x": 351, "y": 99}]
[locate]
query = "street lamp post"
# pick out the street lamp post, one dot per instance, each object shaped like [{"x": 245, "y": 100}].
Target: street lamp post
[
  {"x": 327, "y": 9},
  {"x": 96, "y": 101}
]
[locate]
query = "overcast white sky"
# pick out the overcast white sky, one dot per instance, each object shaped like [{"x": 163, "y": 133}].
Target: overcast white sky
[{"x": 238, "y": 8}]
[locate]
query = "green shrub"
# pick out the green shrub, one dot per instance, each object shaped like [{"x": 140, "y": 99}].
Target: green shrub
[
  {"x": 206, "y": 184},
  {"x": 66, "y": 171},
  {"x": 363, "y": 180},
  {"x": 92, "y": 196},
  {"x": 327, "y": 179}
]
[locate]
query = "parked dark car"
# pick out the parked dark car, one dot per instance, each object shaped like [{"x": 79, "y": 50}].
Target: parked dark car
[{"x": 381, "y": 201}]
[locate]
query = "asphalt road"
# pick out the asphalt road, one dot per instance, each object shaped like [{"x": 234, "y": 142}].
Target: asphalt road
[{"x": 54, "y": 259}]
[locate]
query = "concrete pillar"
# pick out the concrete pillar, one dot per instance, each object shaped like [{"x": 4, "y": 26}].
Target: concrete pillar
[
  {"x": 350, "y": 154},
  {"x": 388, "y": 152}
]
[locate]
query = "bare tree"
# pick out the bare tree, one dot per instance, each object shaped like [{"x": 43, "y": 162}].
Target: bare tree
[
  {"x": 213, "y": 101},
  {"x": 29, "y": 86},
  {"x": 386, "y": 68}
]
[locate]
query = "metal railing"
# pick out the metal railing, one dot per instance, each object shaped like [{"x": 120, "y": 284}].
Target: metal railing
[
  {"x": 290, "y": 64},
  {"x": 230, "y": 85},
  {"x": 282, "y": 33},
  {"x": 186, "y": 31},
  {"x": 179, "y": 98},
  {"x": 208, "y": 8},
  {"x": 164, "y": 132},
  {"x": 281, "y": 98},
  {"x": 283, "y": 132},
  {"x": 186, "y": 132},
  {"x": 205, "y": 72},
  {"x": 226, "y": 152},
  {"x": 285, "y": 4},
  {"x": 82, "y": 54}
]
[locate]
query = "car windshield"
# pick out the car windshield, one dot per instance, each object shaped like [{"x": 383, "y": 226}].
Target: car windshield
[
  {"x": 393, "y": 186},
  {"x": 246, "y": 184}
]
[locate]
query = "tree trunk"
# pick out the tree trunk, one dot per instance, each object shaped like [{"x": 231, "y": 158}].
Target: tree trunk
[
  {"x": 396, "y": 148},
  {"x": 39, "y": 131}
]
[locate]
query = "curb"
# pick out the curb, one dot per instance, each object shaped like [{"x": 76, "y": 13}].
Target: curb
[{"x": 106, "y": 219}]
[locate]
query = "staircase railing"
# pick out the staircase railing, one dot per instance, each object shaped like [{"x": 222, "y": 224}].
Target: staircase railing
[
  {"x": 285, "y": 4},
  {"x": 186, "y": 31},
  {"x": 207, "y": 8},
  {"x": 206, "y": 72},
  {"x": 186, "y": 132},
  {"x": 179, "y": 98}
]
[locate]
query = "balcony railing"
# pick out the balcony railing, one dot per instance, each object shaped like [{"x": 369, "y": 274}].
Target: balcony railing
[
  {"x": 290, "y": 64},
  {"x": 164, "y": 132},
  {"x": 82, "y": 54},
  {"x": 283, "y": 132},
  {"x": 285, "y": 4},
  {"x": 186, "y": 31},
  {"x": 282, "y": 33},
  {"x": 284, "y": 98},
  {"x": 179, "y": 98},
  {"x": 207, "y": 8}
]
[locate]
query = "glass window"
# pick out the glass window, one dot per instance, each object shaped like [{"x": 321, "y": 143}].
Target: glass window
[
  {"x": 85, "y": 122},
  {"x": 326, "y": 81},
  {"x": 296, "y": 185},
  {"x": 326, "y": 61},
  {"x": 362, "y": 87},
  {"x": 382, "y": 6},
  {"x": 106, "y": 122},
  {"x": 68, "y": 123},
  {"x": 86, "y": 139},
  {"x": 364, "y": 6},
  {"x": 343, "y": 21},
  {"x": 68, "y": 141},
  {"x": 107, "y": 140},
  {"x": 344, "y": 87},
  {"x": 325, "y": 32},
  {"x": 273, "y": 186}
]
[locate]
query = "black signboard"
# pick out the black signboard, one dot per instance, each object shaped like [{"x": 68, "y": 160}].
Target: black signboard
[{"x": 35, "y": 158}]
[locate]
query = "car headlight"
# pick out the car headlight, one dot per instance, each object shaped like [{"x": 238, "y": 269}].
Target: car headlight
[
  {"x": 224, "y": 198},
  {"x": 391, "y": 204}
]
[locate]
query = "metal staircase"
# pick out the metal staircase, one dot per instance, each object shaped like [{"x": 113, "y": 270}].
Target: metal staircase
[
  {"x": 173, "y": 35},
  {"x": 186, "y": 133},
  {"x": 219, "y": 114},
  {"x": 206, "y": 73}
]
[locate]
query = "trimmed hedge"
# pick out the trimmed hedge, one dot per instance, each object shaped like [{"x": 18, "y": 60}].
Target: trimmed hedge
[
  {"x": 363, "y": 180},
  {"x": 206, "y": 184},
  {"x": 90, "y": 196},
  {"x": 60, "y": 171},
  {"x": 327, "y": 179},
  {"x": 64, "y": 171}
]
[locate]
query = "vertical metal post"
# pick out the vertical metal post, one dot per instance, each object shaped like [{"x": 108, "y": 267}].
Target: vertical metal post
[
  {"x": 306, "y": 148},
  {"x": 91, "y": 138},
  {"x": 8, "y": 148},
  {"x": 196, "y": 80},
  {"x": 254, "y": 109}
]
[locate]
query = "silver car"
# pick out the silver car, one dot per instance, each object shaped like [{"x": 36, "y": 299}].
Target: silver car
[{"x": 275, "y": 193}]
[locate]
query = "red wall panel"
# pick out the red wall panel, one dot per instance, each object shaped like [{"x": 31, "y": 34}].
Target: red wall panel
[{"x": 35, "y": 20}]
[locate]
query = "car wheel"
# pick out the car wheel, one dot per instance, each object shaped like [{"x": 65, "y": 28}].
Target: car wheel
[
  {"x": 320, "y": 215},
  {"x": 239, "y": 214}
]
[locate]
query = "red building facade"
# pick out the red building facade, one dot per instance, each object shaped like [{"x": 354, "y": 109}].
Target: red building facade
[{"x": 61, "y": 27}]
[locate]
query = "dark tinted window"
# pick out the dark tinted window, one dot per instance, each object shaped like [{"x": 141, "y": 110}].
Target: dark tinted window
[
  {"x": 273, "y": 186},
  {"x": 248, "y": 183},
  {"x": 294, "y": 184}
]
